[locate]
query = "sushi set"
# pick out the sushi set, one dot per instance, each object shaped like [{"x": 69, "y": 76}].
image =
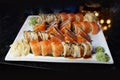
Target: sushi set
[{"x": 60, "y": 37}]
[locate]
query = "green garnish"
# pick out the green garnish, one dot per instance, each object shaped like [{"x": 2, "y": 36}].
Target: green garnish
[
  {"x": 101, "y": 55},
  {"x": 33, "y": 21},
  {"x": 99, "y": 49}
]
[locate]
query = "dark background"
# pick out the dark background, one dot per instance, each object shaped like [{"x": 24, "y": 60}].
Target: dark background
[{"x": 12, "y": 16}]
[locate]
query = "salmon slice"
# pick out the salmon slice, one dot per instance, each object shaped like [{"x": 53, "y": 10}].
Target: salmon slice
[
  {"x": 95, "y": 28},
  {"x": 71, "y": 17},
  {"x": 86, "y": 26},
  {"x": 75, "y": 26},
  {"x": 80, "y": 39},
  {"x": 70, "y": 34},
  {"x": 79, "y": 17},
  {"x": 46, "y": 48},
  {"x": 40, "y": 27},
  {"x": 57, "y": 49},
  {"x": 83, "y": 34},
  {"x": 55, "y": 31},
  {"x": 55, "y": 38},
  {"x": 69, "y": 39},
  {"x": 67, "y": 25},
  {"x": 35, "y": 47},
  {"x": 63, "y": 16}
]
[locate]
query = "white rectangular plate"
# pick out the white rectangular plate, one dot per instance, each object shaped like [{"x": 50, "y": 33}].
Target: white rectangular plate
[{"x": 97, "y": 40}]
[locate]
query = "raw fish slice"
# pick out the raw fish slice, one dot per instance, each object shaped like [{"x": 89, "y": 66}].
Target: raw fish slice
[
  {"x": 65, "y": 25},
  {"x": 40, "y": 27},
  {"x": 80, "y": 39},
  {"x": 86, "y": 26},
  {"x": 79, "y": 17},
  {"x": 63, "y": 16},
  {"x": 71, "y": 17},
  {"x": 95, "y": 28}
]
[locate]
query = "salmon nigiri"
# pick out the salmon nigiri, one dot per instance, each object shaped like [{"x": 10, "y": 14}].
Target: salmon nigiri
[{"x": 35, "y": 47}]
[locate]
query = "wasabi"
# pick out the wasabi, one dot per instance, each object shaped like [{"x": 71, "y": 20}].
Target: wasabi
[
  {"x": 99, "y": 49},
  {"x": 101, "y": 55},
  {"x": 33, "y": 21}
]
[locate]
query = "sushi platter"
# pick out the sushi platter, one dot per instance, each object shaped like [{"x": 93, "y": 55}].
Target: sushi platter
[{"x": 61, "y": 38}]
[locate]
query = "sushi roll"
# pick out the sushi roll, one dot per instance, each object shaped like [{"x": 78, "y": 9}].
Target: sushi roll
[
  {"x": 43, "y": 35},
  {"x": 31, "y": 35},
  {"x": 85, "y": 35},
  {"x": 71, "y": 34},
  {"x": 50, "y": 18},
  {"x": 86, "y": 26},
  {"x": 95, "y": 28},
  {"x": 87, "y": 49},
  {"x": 35, "y": 47},
  {"x": 71, "y": 17},
  {"x": 77, "y": 51},
  {"x": 79, "y": 17},
  {"x": 54, "y": 30},
  {"x": 46, "y": 47},
  {"x": 64, "y": 25},
  {"x": 66, "y": 49},
  {"x": 81, "y": 39},
  {"x": 27, "y": 36},
  {"x": 69, "y": 38},
  {"x": 57, "y": 49},
  {"x": 76, "y": 28},
  {"x": 55, "y": 38},
  {"x": 63, "y": 16},
  {"x": 40, "y": 27}
]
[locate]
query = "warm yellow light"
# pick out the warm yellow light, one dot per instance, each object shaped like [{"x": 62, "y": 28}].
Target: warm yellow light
[
  {"x": 96, "y": 14},
  {"x": 109, "y": 26},
  {"x": 105, "y": 28},
  {"x": 108, "y": 21},
  {"x": 101, "y": 21}
]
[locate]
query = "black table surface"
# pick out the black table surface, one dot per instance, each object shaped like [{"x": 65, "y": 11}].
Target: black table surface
[{"x": 11, "y": 20}]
